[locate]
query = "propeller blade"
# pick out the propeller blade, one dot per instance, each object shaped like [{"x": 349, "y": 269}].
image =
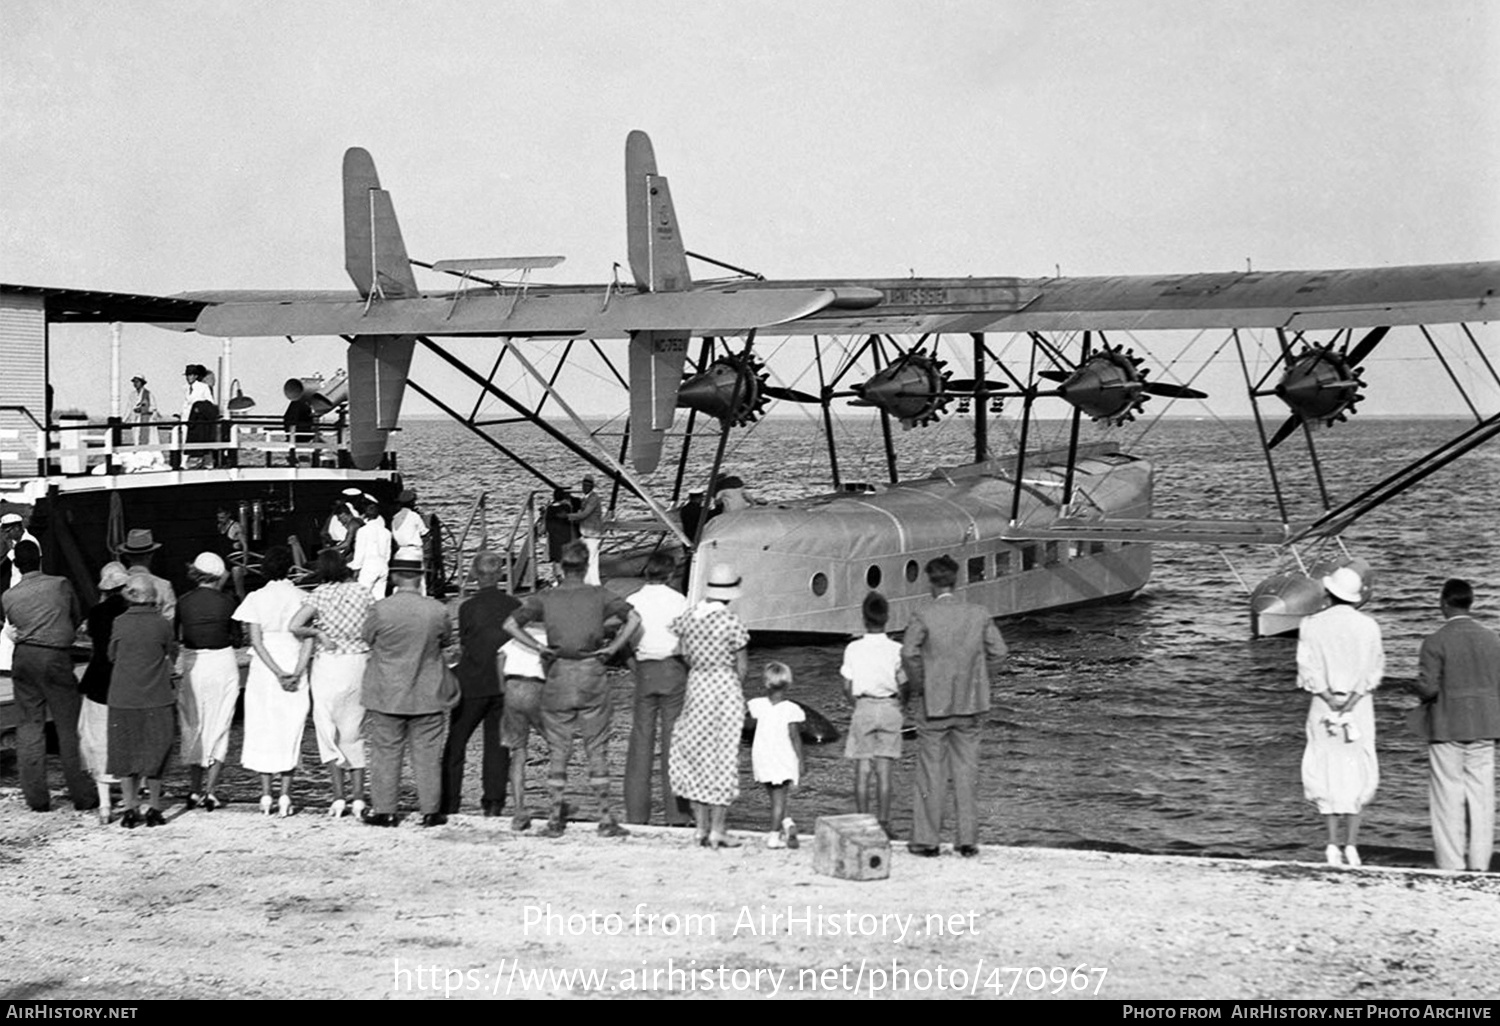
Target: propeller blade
[
  {"x": 1162, "y": 388},
  {"x": 1367, "y": 345},
  {"x": 790, "y": 395},
  {"x": 972, "y": 385},
  {"x": 1054, "y": 375},
  {"x": 1284, "y": 432}
]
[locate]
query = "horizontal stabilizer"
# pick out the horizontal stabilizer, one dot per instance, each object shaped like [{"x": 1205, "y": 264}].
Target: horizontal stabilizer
[
  {"x": 726, "y": 312},
  {"x": 522, "y": 263}
]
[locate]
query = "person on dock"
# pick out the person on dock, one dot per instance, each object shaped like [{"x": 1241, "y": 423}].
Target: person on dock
[
  {"x": 372, "y": 550},
  {"x": 590, "y": 520},
  {"x": 577, "y": 616},
  {"x": 776, "y": 752},
  {"x": 210, "y": 684},
  {"x": 42, "y": 612},
  {"x": 557, "y": 522},
  {"x": 660, "y": 687},
  {"x": 704, "y": 763},
  {"x": 137, "y": 553},
  {"x": 949, "y": 652},
  {"x": 142, "y": 726},
  {"x": 525, "y": 677},
  {"x": 277, "y": 697},
  {"x": 874, "y": 681},
  {"x": 481, "y": 704},
  {"x": 93, "y": 712},
  {"x": 334, "y": 618},
  {"x": 1340, "y": 660},
  {"x": 408, "y": 693},
  {"x": 1459, "y": 682}
]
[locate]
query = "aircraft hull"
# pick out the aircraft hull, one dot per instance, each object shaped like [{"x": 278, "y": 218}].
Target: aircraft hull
[{"x": 808, "y": 565}]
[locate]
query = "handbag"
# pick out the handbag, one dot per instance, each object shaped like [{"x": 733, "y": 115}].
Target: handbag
[{"x": 1419, "y": 720}]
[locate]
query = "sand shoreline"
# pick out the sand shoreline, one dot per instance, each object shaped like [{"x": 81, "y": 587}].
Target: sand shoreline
[{"x": 234, "y": 905}]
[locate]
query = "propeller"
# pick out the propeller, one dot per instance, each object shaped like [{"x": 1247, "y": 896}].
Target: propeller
[
  {"x": 732, "y": 388},
  {"x": 914, "y": 389}
]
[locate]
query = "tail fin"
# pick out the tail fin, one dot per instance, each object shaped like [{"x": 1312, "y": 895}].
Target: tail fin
[
  {"x": 375, "y": 257},
  {"x": 659, "y": 264},
  {"x": 657, "y": 258},
  {"x": 374, "y": 254}
]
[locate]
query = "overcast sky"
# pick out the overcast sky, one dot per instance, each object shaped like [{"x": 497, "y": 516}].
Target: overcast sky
[{"x": 160, "y": 146}]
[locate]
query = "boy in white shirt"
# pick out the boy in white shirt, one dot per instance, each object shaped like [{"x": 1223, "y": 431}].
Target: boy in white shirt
[{"x": 875, "y": 683}]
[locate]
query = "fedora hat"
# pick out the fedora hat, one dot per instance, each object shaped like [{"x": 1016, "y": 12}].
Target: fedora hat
[
  {"x": 1345, "y": 583},
  {"x": 723, "y": 583},
  {"x": 139, "y": 541},
  {"x": 405, "y": 566}
]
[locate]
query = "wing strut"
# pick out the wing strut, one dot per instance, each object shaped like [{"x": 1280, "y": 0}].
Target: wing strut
[{"x": 1260, "y": 425}]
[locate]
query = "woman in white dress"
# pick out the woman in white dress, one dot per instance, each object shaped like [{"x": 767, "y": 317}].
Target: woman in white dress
[
  {"x": 335, "y": 618},
  {"x": 1340, "y": 659},
  {"x": 276, "y": 698}
]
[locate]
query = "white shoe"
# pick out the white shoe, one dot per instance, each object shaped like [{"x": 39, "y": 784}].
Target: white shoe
[
  {"x": 336, "y": 810},
  {"x": 357, "y": 810},
  {"x": 265, "y": 804},
  {"x": 1351, "y": 856},
  {"x": 284, "y": 806},
  {"x": 1333, "y": 855},
  {"x": 773, "y": 840},
  {"x": 789, "y": 833}
]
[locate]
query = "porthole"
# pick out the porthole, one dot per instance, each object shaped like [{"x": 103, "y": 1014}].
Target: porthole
[
  {"x": 820, "y": 584},
  {"x": 872, "y": 577},
  {"x": 911, "y": 571}
]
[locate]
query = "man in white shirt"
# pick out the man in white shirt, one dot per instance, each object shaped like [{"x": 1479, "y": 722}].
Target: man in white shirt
[
  {"x": 590, "y": 521},
  {"x": 372, "y": 551},
  {"x": 660, "y": 687},
  {"x": 409, "y": 531}
]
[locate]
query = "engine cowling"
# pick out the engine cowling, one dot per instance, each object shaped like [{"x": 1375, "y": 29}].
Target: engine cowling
[
  {"x": 1321, "y": 385},
  {"x": 913, "y": 389},
  {"x": 1109, "y": 386},
  {"x": 732, "y": 389}
]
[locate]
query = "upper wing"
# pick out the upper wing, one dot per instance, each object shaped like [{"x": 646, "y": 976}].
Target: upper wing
[{"x": 1365, "y": 297}]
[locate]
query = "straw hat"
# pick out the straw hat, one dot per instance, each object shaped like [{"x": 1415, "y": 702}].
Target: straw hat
[
  {"x": 723, "y": 583},
  {"x": 113, "y": 575},
  {"x": 405, "y": 566},
  {"x": 10, "y": 518},
  {"x": 139, "y": 541},
  {"x": 1345, "y": 583}
]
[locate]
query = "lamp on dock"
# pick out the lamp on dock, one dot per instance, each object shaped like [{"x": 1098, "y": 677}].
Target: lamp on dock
[{"x": 241, "y": 402}]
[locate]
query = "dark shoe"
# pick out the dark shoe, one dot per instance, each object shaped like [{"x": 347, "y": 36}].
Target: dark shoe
[
  {"x": 155, "y": 818},
  {"x": 925, "y": 851},
  {"x": 40, "y": 808},
  {"x": 380, "y": 819},
  {"x": 492, "y": 809},
  {"x": 611, "y": 827},
  {"x": 88, "y": 806},
  {"x": 211, "y": 802},
  {"x": 558, "y": 821},
  {"x": 433, "y": 819},
  {"x": 968, "y": 851},
  {"x": 520, "y": 821},
  {"x": 193, "y": 801},
  {"x": 131, "y": 819}
]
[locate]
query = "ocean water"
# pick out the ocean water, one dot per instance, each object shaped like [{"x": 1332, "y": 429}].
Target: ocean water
[{"x": 1155, "y": 724}]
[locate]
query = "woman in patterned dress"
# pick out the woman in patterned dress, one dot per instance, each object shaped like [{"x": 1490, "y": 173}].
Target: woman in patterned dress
[
  {"x": 275, "y": 700},
  {"x": 335, "y": 617},
  {"x": 704, "y": 761}
]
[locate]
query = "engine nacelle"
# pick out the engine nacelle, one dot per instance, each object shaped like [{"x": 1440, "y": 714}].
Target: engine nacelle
[
  {"x": 1321, "y": 385},
  {"x": 1109, "y": 386},
  {"x": 732, "y": 389},
  {"x": 912, "y": 389}
]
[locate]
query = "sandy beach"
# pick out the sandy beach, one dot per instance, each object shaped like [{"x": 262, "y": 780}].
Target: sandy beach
[{"x": 231, "y": 904}]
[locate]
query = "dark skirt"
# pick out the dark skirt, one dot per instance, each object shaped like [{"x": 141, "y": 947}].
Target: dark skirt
[{"x": 140, "y": 740}]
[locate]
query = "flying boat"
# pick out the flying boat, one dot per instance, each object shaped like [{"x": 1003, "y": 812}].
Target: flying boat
[{"x": 1032, "y": 526}]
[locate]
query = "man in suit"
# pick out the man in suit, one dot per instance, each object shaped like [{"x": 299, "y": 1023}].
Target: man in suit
[
  {"x": 1460, "y": 680},
  {"x": 406, "y": 695},
  {"x": 950, "y": 649},
  {"x": 481, "y": 632}
]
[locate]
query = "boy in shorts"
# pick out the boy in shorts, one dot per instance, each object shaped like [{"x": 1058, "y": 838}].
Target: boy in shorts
[{"x": 875, "y": 683}]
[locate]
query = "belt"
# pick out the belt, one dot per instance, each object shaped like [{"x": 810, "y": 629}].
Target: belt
[
  {"x": 534, "y": 680},
  {"x": 38, "y": 644},
  {"x": 877, "y": 698},
  {"x": 207, "y": 648}
]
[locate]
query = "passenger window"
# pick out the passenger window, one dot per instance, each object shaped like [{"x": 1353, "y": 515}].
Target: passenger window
[{"x": 976, "y": 569}]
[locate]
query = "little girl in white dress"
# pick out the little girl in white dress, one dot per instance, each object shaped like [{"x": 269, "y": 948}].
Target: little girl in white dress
[{"x": 776, "y": 754}]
